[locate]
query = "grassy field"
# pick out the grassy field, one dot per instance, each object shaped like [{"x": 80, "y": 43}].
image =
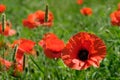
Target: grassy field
[{"x": 67, "y": 21}]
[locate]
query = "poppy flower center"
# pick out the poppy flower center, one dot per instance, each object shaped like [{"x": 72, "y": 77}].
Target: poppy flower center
[{"x": 83, "y": 55}]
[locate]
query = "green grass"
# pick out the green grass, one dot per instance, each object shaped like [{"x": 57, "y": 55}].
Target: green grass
[{"x": 67, "y": 22}]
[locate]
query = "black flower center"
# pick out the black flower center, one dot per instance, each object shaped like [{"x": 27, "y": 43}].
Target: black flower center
[{"x": 83, "y": 55}]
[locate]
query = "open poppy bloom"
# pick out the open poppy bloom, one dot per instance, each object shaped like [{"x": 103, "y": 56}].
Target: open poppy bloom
[
  {"x": 79, "y": 2},
  {"x": 115, "y": 17},
  {"x": 52, "y": 45},
  {"x": 83, "y": 50},
  {"x": 2, "y": 8},
  {"x": 18, "y": 67},
  {"x": 41, "y": 18},
  {"x": 31, "y": 21},
  {"x": 8, "y": 31},
  {"x": 25, "y": 45},
  {"x": 6, "y": 63},
  {"x": 37, "y": 19},
  {"x": 86, "y": 11}
]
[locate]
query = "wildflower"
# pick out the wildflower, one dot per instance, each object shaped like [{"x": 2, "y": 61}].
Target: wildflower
[
  {"x": 8, "y": 31},
  {"x": 17, "y": 66},
  {"x": 52, "y": 45},
  {"x": 41, "y": 15},
  {"x": 79, "y": 2},
  {"x": 115, "y": 17},
  {"x": 6, "y": 63},
  {"x": 31, "y": 21},
  {"x": 2, "y": 8},
  {"x": 24, "y": 45},
  {"x": 37, "y": 19},
  {"x": 83, "y": 50},
  {"x": 86, "y": 11}
]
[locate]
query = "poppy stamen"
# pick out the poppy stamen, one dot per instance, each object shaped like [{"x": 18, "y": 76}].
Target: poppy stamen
[{"x": 83, "y": 55}]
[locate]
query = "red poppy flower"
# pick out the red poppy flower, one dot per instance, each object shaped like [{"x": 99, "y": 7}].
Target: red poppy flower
[
  {"x": 31, "y": 21},
  {"x": 8, "y": 31},
  {"x": 83, "y": 50},
  {"x": 115, "y": 17},
  {"x": 37, "y": 19},
  {"x": 24, "y": 45},
  {"x": 86, "y": 11},
  {"x": 52, "y": 45},
  {"x": 41, "y": 15},
  {"x": 6, "y": 63},
  {"x": 79, "y": 2},
  {"x": 17, "y": 66},
  {"x": 2, "y": 8}
]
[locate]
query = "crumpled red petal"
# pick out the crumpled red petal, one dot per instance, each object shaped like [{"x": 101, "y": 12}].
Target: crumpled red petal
[{"x": 52, "y": 45}]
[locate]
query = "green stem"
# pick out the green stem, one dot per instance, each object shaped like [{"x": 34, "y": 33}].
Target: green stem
[
  {"x": 24, "y": 63},
  {"x": 36, "y": 64},
  {"x": 46, "y": 13},
  {"x": 13, "y": 57},
  {"x": 3, "y": 28}
]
